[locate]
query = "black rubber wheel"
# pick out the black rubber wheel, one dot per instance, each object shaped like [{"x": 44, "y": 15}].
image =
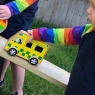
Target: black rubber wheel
[
  {"x": 33, "y": 61},
  {"x": 12, "y": 51}
]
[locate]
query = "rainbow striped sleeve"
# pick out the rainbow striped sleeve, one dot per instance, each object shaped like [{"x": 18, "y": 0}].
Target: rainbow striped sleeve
[
  {"x": 18, "y": 6},
  {"x": 64, "y": 36}
]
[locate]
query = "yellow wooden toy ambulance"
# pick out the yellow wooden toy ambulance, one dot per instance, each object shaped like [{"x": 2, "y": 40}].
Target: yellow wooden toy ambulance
[{"x": 33, "y": 51}]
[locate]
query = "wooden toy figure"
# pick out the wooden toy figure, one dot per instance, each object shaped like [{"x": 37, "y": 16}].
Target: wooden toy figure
[
  {"x": 33, "y": 51},
  {"x": 3, "y": 25}
]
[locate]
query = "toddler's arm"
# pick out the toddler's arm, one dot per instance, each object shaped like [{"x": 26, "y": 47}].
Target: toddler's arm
[
  {"x": 18, "y": 6},
  {"x": 64, "y": 36},
  {"x": 13, "y": 8}
]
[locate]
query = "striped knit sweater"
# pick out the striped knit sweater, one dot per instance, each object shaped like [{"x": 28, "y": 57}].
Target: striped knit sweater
[
  {"x": 64, "y": 36},
  {"x": 18, "y": 6}
]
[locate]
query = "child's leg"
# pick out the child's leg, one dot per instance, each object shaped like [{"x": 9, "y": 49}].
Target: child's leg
[
  {"x": 18, "y": 74},
  {"x": 4, "y": 68}
]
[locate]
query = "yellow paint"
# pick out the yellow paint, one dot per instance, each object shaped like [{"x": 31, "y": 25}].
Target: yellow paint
[{"x": 14, "y": 41}]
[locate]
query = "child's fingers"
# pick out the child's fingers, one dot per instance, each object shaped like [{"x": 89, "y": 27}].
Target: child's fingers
[
  {"x": 3, "y": 18},
  {"x": 2, "y": 12},
  {"x": 2, "y": 15},
  {"x": 31, "y": 36},
  {"x": 2, "y": 7},
  {"x": 30, "y": 32},
  {"x": 30, "y": 39}
]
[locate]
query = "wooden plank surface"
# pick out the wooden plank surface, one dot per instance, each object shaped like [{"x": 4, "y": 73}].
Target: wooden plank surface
[
  {"x": 84, "y": 17},
  {"x": 42, "y": 6},
  {"x": 78, "y": 12},
  {"x": 56, "y": 11},
  {"x": 46, "y": 70},
  {"x": 70, "y": 13},
  {"x": 63, "y": 12},
  {"x": 49, "y": 11}
]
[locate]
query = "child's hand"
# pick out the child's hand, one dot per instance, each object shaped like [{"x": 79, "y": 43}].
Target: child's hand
[
  {"x": 30, "y": 32},
  {"x": 5, "y": 12}
]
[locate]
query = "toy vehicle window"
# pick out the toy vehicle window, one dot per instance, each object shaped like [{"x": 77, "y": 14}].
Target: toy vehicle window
[
  {"x": 29, "y": 45},
  {"x": 18, "y": 40},
  {"x": 38, "y": 48}
]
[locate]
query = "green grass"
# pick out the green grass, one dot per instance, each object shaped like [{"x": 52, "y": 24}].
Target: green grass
[{"x": 62, "y": 56}]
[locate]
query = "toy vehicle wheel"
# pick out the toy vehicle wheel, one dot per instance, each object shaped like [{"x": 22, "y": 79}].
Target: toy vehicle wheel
[
  {"x": 33, "y": 61},
  {"x": 12, "y": 51}
]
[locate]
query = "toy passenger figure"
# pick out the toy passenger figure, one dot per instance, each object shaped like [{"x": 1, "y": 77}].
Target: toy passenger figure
[
  {"x": 20, "y": 15},
  {"x": 82, "y": 78}
]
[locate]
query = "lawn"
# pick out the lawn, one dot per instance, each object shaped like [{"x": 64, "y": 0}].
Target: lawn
[{"x": 62, "y": 56}]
